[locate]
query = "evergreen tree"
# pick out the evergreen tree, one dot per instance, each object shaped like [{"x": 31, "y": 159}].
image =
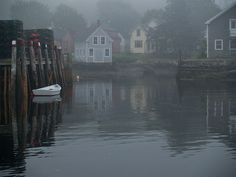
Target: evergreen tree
[{"x": 67, "y": 18}]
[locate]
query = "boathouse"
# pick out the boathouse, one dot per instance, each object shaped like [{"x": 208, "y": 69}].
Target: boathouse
[{"x": 221, "y": 34}]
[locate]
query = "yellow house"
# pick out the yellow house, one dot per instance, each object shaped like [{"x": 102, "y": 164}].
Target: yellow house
[{"x": 139, "y": 42}]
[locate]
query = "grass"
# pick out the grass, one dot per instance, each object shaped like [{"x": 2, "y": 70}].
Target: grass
[{"x": 128, "y": 58}]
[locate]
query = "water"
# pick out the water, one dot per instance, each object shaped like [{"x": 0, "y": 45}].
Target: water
[{"x": 122, "y": 128}]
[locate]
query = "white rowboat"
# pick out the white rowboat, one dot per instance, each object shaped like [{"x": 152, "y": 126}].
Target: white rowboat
[{"x": 47, "y": 91}]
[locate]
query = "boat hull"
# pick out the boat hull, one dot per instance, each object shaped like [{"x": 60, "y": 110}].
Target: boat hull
[{"x": 47, "y": 91}]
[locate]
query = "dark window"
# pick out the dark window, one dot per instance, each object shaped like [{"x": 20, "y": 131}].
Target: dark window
[
  {"x": 138, "y": 44},
  {"x": 232, "y": 44},
  {"x": 107, "y": 52},
  {"x": 91, "y": 52},
  {"x": 232, "y": 23},
  {"x": 103, "y": 40},
  {"x": 95, "y": 40},
  {"x": 218, "y": 44}
]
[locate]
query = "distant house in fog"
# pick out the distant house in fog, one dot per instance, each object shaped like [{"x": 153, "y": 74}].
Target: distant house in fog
[
  {"x": 96, "y": 47},
  {"x": 140, "y": 42},
  {"x": 221, "y": 34},
  {"x": 118, "y": 44}
]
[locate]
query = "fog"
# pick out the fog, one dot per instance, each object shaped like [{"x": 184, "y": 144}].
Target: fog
[
  {"x": 88, "y": 7},
  {"x": 89, "y": 10}
]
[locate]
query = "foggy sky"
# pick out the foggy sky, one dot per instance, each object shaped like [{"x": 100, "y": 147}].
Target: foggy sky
[
  {"x": 89, "y": 11},
  {"x": 88, "y": 7}
]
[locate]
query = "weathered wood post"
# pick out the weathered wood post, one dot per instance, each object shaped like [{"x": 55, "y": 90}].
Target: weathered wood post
[
  {"x": 61, "y": 63},
  {"x": 40, "y": 63},
  {"x": 58, "y": 65},
  {"x": 33, "y": 68},
  {"x": 47, "y": 67},
  {"x": 13, "y": 94},
  {"x": 22, "y": 72},
  {"x": 54, "y": 67}
]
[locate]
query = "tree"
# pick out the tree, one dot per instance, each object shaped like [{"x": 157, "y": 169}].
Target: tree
[
  {"x": 118, "y": 14},
  {"x": 33, "y": 14},
  {"x": 182, "y": 25},
  {"x": 152, "y": 15},
  {"x": 67, "y": 18}
]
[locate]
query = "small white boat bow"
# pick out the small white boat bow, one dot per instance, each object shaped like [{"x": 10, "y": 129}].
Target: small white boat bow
[{"x": 47, "y": 91}]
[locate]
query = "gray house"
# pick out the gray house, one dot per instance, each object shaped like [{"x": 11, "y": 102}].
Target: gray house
[
  {"x": 221, "y": 34},
  {"x": 96, "y": 48}
]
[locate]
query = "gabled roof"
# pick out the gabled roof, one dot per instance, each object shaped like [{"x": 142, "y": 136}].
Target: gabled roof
[
  {"x": 98, "y": 28},
  {"x": 220, "y": 14}
]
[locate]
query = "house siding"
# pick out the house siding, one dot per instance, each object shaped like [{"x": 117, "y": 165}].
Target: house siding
[{"x": 219, "y": 29}]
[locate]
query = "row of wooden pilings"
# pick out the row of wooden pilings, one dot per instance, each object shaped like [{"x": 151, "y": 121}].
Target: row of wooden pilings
[
  {"x": 31, "y": 66},
  {"x": 39, "y": 66}
]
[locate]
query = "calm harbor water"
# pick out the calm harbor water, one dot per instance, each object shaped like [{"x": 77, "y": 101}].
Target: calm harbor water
[{"x": 147, "y": 127}]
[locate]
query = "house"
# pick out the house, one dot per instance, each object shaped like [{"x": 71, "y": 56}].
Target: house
[
  {"x": 118, "y": 44},
  {"x": 96, "y": 47},
  {"x": 221, "y": 34},
  {"x": 140, "y": 42}
]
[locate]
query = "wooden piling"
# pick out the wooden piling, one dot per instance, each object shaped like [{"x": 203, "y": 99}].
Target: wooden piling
[
  {"x": 40, "y": 63},
  {"x": 61, "y": 63},
  {"x": 54, "y": 67},
  {"x": 47, "y": 67},
  {"x": 33, "y": 68},
  {"x": 58, "y": 65},
  {"x": 13, "y": 94},
  {"x": 13, "y": 77}
]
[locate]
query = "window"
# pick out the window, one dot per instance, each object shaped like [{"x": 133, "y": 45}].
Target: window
[
  {"x": 138, "y": 44},
  {"x": 95, "y": 40},
  {"x": 138, "y": 33},
  {"x": 103, "y": 40},
  {"x": 218, "y": 44},
  {"x": 232, "y": 24},
  {"x": 107, "y": 52},
  {"x": 232, "y": 44},
  {"x": 91, "y": 52}
]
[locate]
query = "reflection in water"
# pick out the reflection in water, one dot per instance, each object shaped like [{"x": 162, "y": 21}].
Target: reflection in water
[
  {"x": 35, "y": 127},
  {"x": 145, "y": 127}
]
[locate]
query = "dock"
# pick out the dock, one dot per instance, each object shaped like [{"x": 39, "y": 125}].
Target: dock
[{"x": 205, "y": 69}]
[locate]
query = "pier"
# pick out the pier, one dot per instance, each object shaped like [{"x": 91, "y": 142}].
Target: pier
[
  {"x": 201, "y": 69},
  {"x": 28, "y": 60}
]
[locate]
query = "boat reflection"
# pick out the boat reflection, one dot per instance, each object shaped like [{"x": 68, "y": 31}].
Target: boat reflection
[{"x": 46, "y": 99}]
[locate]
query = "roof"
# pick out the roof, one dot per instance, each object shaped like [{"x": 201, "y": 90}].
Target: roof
[
  {"x": 113, "y": 34},
  {"x": 220, "y": 14},
  {"x": 93, "y": 28},
  {"x": 100, "y": 27}
]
